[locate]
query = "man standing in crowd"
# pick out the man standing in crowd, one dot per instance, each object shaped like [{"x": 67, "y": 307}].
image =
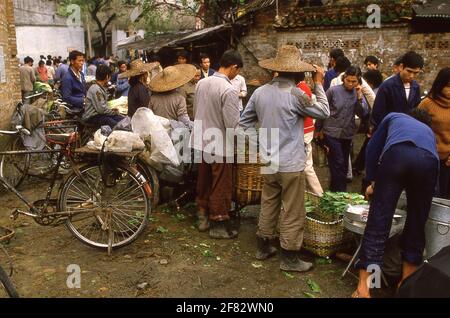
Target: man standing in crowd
[
  {"x": 331, "y": 73},
  {"x": 401, "y": 155},
  {"x": 400, "y": 93},
  {"x": 61, "y": 70},
  {"x": 182, "y": 57},
  {"x": 371, "y": 62},
  {"x": 188, "y": 91},
  {"x": 281, "y": 105},
  {"x": 42, "y": 72},
  {"x": 73, "y": 85},
  {"x": 205, "y": 64},
  {"x": 240, "y": 86},
  {"x": 27, "y": 77},
  {"x": 122, "y": 85},
  {"x": 216, "y": 107}
]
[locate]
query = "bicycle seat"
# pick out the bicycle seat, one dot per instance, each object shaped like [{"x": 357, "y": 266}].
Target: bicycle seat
[{"x": 62, "y": 139}]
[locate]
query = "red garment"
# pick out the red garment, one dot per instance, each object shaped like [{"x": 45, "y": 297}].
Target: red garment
[
  {"x": 308, "y": 122},
  {"x": 43, "y": 75}
]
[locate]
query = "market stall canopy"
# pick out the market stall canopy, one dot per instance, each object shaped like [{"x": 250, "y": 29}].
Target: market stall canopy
[
  {"x": 130, "y": 40},
  {"x": 158, "y": 41}
]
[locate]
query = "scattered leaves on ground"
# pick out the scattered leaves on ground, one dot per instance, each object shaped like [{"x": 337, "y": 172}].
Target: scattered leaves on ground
[
  {"x": 161, "y": 229},
  {"x": 286, "y": 274},
  {"x": 315, "y": 288}
]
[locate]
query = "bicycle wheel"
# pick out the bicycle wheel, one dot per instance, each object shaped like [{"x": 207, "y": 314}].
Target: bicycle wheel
[
  {"x": 152, "y": 177},
  {"x": 7, "y": 284},
  {"x": 14, "y": 168},
  {"x": 106, "y": 216}
]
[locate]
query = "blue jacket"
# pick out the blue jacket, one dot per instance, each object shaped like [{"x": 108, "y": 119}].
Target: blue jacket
[
  {"x": 391, "y": 97},
  {"x": 396, "y": 128},
  {"x": 123, "y": 87},
  {"x": 73, "y": 90},
  {"x": 329, "y": 76}
]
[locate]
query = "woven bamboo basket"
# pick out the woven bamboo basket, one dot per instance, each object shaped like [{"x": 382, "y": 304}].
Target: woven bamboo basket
[
  {"x": 248, "y": 182},
  {"x": 323, "y": 238}
]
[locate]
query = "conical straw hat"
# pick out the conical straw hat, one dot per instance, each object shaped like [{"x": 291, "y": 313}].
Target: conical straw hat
[
  {"x": 137, "y": 67},
  {"x": 288, "y": 59},
  {"x": 172, "y": 77}
]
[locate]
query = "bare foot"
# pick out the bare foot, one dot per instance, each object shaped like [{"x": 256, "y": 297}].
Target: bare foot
[{"x": 358, "y": 294}]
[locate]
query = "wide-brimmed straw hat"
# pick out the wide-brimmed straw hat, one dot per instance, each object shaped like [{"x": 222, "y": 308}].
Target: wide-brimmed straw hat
[
  {"x": 137, "y": 67},
  {"x": 288, "y": 59},
  {"x": 172, "y": 77}
]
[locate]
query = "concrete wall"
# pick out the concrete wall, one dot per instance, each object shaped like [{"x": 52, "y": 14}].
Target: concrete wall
[
  {"x": 9, "y": 90},
  {"x": 44, "y": 40},
  {"x": 40, "y": 31},
  {"x": 37, "y": 12}
]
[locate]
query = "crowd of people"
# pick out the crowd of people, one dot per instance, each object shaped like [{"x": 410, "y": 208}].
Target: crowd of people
[{"x": 407, "y": 143}]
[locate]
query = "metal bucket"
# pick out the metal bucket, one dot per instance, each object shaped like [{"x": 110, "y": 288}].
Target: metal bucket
[{"x": 437, "y": 228}]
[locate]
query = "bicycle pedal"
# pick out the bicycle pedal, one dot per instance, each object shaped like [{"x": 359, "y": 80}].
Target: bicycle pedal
[{"x": 14, "y": 215}]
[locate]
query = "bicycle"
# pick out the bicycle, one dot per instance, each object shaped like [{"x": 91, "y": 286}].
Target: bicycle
[
  {"x": 104, "y": 204},
  {"x": 5, "y": 279}
]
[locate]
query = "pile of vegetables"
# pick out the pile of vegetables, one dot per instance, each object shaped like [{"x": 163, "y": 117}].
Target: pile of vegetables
[{"x": 332, "y": 205}]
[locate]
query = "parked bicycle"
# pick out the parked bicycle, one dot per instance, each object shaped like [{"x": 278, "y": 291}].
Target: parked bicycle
[
  {"x": 104, "y": 204},
  {"x": 5, "y": 278}
]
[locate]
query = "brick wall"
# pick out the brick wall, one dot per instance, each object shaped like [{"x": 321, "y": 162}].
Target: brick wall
[
  {"x": 388, "y": 43},
  {"x": 9, "y": 91}
]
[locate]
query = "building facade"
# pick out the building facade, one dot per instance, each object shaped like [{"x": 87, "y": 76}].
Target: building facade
[
  {"x": 317, "y": 28},
  {"x": 9, "y": 65},
  {"x": 41, "y": 31}
]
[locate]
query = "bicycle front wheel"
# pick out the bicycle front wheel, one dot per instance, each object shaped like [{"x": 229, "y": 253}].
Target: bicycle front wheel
[
  {"x": 7, "y": 284},
  {"x": 14, "y": 168},
  {"x": 106, "y": 216}
]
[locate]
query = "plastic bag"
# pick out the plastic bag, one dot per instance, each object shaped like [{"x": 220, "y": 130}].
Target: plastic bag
[
  {"x": 145, "y": 123},
  {"x": 117, "y": 141},
  {"x": 124, "y": 124}
]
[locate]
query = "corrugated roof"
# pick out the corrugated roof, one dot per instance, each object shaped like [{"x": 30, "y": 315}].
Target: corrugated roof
[{"x": 157, "y": 42}]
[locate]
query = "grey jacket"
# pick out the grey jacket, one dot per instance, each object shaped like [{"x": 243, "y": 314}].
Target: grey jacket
[
  {"x": 96, "y": 102},
  {"x": 281, "y": 105},
  {"x": 344, "y": 105},
  {"x": 216, "y": 108}
]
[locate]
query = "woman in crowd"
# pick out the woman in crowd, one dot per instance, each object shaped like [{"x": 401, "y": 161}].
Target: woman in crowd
[
  {"x": 345, "y": 101},
  {"x": 437, "y": 103},
  {"x": 138, "y": 94}
]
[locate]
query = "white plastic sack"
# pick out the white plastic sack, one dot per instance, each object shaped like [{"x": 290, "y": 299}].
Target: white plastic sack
[
  {"x": 117, "y": 141},
  {"x": 145, "y": 123}
]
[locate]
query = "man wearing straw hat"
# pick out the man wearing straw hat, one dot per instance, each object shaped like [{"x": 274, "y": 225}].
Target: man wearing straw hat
[
  {"x": 216, "y": 108},
  {"x": 281, "y": 105},
  {"x": 138, "y": 95},
  {"x": 166, "y": 101}
]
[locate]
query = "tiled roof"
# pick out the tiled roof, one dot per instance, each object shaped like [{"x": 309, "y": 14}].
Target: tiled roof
[
  {"x": 344, "y": 15},
  {"x": 433, "y": 9}
]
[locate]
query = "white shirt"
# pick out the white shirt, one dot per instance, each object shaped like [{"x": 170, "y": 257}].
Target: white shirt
[
  {"x": 239, "y": 84},
  {"x": 407, "y": 89}
]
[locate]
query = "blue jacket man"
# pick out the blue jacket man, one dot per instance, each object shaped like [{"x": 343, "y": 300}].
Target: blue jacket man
[
  {"x": 400, "y": 93},
  {"x": 73, "y": 89},
  {"x": 401, "y": 155}
]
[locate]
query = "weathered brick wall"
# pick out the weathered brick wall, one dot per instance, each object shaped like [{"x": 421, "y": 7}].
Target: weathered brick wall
[
  {"x": 388, "y": 43},
  {"x": 9, "y": 91}
]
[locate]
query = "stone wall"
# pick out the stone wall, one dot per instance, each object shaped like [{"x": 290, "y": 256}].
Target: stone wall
[
  {"x": 10, "y": 89},
  {"x": 388, "y": 43}
]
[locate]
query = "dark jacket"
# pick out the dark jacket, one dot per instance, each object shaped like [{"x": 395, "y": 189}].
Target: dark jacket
[
  {"x": 138, "y": 96},
  {"x": 210, "y": 72},
  {"x": 73, "y": 90},
  {"x": 391, "y": 97}
]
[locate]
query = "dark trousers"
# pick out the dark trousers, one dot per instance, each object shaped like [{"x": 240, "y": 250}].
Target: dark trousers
[
  {"x": 360, "y": 160},
  {"x": 444, "y": 181},
  {"x": 105, "y": 120},
  {"x": 338, "y": 156},
  {"x": 403, "y": 167},
  {"x": 214, "y": 189}
]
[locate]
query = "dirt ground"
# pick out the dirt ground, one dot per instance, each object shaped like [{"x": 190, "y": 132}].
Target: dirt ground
[{"x": 170, "y": 259}]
